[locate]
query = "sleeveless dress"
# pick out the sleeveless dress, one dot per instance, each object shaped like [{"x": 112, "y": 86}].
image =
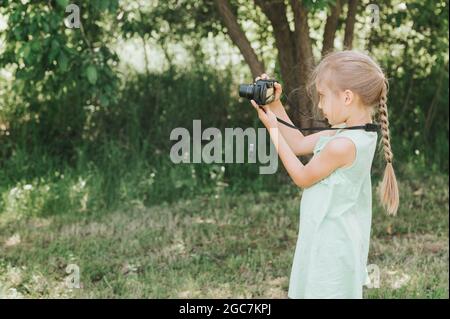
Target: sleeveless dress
[{"x": 335, "y": 224}]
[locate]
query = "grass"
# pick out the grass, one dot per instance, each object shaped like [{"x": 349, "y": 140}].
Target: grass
[{"x": 215, "y": 246}]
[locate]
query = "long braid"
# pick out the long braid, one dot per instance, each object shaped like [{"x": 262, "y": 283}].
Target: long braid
[
  {"x": 388, "y": 190},
  {"x": 385, "y": 127}
]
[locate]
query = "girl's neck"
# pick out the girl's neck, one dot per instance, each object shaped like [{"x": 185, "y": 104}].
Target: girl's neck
[{"x": 358, "y": 120}]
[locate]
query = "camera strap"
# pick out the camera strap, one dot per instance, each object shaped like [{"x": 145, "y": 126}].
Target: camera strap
[{"x": 369, "y": 127}]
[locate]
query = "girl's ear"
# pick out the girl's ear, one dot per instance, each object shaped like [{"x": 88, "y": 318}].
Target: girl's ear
[{"x": 348, "y": 97}]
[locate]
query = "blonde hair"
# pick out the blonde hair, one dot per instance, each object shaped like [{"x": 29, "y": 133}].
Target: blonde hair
[{"x": 359, "y": 73}]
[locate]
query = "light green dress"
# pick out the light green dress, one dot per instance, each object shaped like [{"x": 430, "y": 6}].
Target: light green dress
[{"x": 335, "y": 220}]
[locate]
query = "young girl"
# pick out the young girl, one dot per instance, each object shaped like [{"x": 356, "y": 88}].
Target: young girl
[{"x": 336, "y": 206}]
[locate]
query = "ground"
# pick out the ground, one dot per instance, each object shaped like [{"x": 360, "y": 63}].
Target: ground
[{"x": 230, "y": 245}]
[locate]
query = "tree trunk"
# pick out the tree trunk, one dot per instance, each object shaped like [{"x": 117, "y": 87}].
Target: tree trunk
[
  {"x": 330, "y": 28},
  {"x": 276, "y": 13},
  {"x": 302, "y": 39},
  {"x": 305, "y": 60},
  {"x": 238, "y": 37},
  {"x": 350, "y": 24}
]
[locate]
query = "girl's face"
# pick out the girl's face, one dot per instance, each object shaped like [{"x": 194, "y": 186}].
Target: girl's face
[{"x": 335, "y": 106}]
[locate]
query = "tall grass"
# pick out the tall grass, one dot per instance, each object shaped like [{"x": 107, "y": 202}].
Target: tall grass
[{"x": 124, "y": 157}]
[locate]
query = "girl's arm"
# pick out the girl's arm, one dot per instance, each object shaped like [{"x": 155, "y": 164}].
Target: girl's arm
[
  {"x": 300, "y": 144},
  {"x": 337, "y": 153}
]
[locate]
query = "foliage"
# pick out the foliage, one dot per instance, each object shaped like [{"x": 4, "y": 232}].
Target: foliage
[
  {"x": 61, "y": 75},
  {"x": 412, "y": 45}
]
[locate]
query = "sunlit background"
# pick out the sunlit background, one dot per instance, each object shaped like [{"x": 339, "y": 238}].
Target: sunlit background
[{"x": 85, "y": 173}]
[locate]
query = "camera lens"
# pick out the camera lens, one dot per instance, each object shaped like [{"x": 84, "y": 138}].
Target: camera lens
[{"x": 246, "y": 90}]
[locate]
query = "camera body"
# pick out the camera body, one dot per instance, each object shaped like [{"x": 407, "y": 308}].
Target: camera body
[{"x": 262, "y": 91}]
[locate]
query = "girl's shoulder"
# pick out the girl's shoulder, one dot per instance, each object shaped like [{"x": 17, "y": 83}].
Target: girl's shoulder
[
  {"x": 361, "y": 140},
  {"x": 362, "y": 153},
  {"x": 358, "y": 136}
]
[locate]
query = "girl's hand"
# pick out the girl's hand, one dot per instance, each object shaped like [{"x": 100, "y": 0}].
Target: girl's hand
[
  {"x": 277, "y": 86},
  {"x": 265, "y": 115}
]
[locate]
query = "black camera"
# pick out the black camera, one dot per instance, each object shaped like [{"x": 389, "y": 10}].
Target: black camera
[{"x": 262, "y": 91}]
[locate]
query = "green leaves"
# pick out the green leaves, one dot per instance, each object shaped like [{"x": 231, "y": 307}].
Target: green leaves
[
  {"x": 54, "y": 50},
  {"x": 63, "y": 62},
  {"x": 31, "y": 51},
  {"x": 91, "y": 73},
  {"x": 26, "y": 50},
  {"x": 62, "y": 3},
  {"x": 104, "y": 100},
  {"x": 35, "y": 45},
  {"x": 104, "y": 4},
  {"x": 317, "y": 5}
]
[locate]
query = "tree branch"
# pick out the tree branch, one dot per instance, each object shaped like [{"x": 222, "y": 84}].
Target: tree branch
[
  {"x": 350, "y": 23},
  {"x": 302, "y": 39},
  {"x": 284, "y": 39},
  {"x": 330, "y": 28},
  {"x": 238, "y": 37}
]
